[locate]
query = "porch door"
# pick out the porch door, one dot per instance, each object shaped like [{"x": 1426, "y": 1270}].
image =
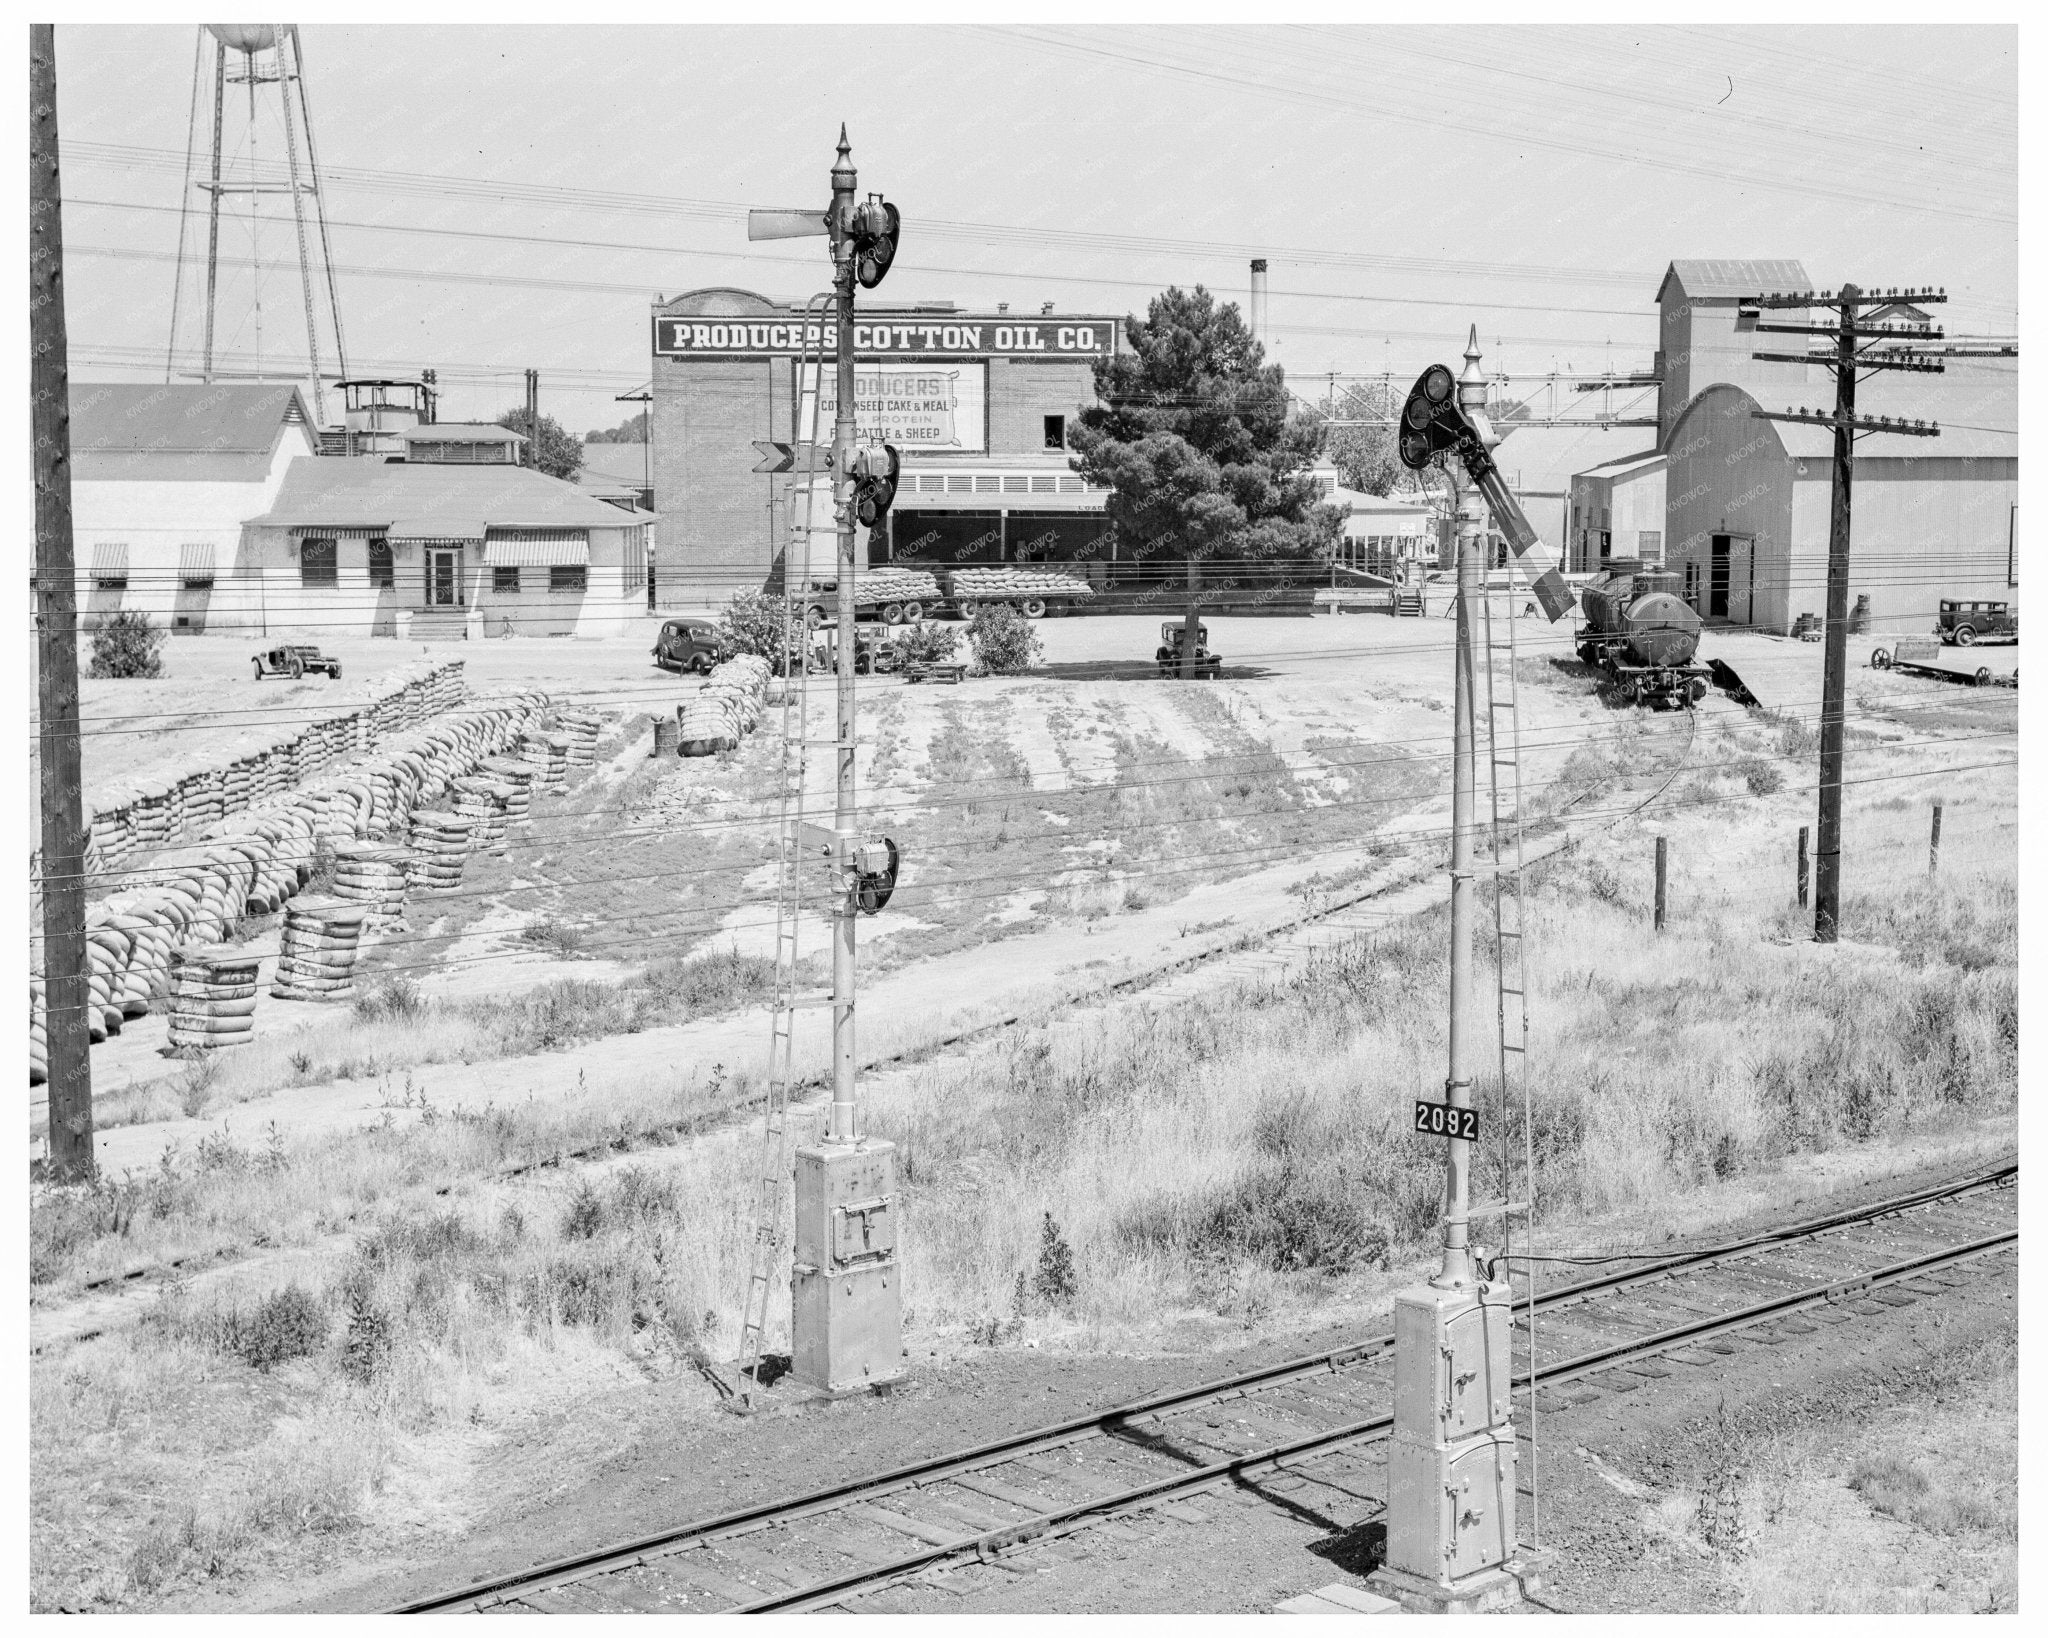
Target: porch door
[
  {"x": 1717, "y": 580},
  {"x": 444, "y": 577}
]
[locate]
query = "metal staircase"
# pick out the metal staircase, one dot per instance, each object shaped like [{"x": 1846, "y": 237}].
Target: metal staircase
[{"x": 765, "y": 1247}]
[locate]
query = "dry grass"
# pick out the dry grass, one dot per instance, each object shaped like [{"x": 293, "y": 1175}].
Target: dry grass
[
  {"x": 1139, "y": 1177},
  {"x": 1913, "y": 1510}
]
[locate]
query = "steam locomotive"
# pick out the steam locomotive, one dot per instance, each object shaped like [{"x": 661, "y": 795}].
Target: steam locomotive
[{"x": 1643, "y": 635}]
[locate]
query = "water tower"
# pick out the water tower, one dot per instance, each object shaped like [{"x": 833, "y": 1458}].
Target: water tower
[{"x": 258, "y": 56}]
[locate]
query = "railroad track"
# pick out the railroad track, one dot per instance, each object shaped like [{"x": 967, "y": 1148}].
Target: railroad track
[{"x": 1265, "y": 1437}]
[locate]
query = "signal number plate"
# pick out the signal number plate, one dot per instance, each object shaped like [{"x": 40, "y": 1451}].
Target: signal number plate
[{"x": 1441, "y": 1120}]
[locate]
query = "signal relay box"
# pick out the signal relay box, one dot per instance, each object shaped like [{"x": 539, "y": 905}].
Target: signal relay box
[
  {"x": 846, "y": 1292},
  {"x": 1463, "y": 1333}
]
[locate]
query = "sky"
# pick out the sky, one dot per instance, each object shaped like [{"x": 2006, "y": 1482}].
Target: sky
[{"x": 510, "y": 197}]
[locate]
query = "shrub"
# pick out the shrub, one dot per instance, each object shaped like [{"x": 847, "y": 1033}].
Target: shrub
[
  {"x": 1764, "y": 778},
  {"x": 396, "y": 998},
  {"x": 127, "y": 646},
  {"x": 553, "y": 935},
  {"x": 288, "y": 1324},
  {"x": 757, "y": 623},
  {"x": 1004, "y": 641},
  {"x": 929, "y": 644}
]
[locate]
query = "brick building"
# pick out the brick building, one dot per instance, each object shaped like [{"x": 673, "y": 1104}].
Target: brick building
[{"x": 977, "y": 403}]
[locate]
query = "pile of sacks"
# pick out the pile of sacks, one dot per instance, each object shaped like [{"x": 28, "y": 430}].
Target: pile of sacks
[
  {"x": 581, "y": 726},
  {"x": 727, "y": 707},
  {"x": 214, "y": 1004},
  {"x": 153, "y": 812},
  {"x": 317, "y": 958},
  {"x": 252, "y": 862}
]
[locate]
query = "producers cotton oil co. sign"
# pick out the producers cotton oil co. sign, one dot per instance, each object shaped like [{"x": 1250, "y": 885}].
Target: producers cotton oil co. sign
[{"x": 912, "y": 337}]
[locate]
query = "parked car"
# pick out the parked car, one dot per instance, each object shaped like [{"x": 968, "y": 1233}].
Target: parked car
[
  {"x": 1171, "y": 637},
  {"x": 687, "y": 645},
  {"x": 295, "y": 660},
  {"x": 1964, "y": 623}
]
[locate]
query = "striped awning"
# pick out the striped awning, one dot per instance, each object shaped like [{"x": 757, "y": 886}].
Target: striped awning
[
  {"x": 195, "y": 562},
  {"x": 538, "y": 554},
  {"x": 110, "y": 560}
]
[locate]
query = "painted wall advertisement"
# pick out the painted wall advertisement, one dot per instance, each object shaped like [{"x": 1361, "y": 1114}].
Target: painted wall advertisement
[{"x": 937, "y": 406}]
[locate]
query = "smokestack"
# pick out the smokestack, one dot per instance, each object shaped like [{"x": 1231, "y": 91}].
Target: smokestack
[{"x": 1258, "y": 314}]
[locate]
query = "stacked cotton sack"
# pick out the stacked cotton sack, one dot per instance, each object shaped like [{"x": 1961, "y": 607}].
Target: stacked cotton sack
[
  {"x": 520, "y": 775},
  {"x": 582, "y": 727},
  {"x": 551, "y": 753},
  {"x": 886, "y": 586},
  {"x": 727, "y": 707},
  {"x": 214, "y": 1004},
  {"x": 322, "y": 938},
  {"x": 1000, "y": 581},
  {"x": 440, "y": 846},
  {"x": 253, "y": 862},
  {"x": 372, "y": 874}
]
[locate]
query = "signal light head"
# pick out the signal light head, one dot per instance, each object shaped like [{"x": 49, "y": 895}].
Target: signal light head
[
  {"x": 875, "y": 228},
  {"x": 876, "y": 469},
  {"x": 1431, "y": 421}
]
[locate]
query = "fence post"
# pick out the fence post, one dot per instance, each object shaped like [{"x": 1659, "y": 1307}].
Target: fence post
[
  {"x": 1934, "y": 841},
  {"x": 1660, "y": 883},
  {"x": 1802, "y": 866}
]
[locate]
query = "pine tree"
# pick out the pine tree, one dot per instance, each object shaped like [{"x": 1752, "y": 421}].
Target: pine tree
[{"x": 1193, "y": 437}]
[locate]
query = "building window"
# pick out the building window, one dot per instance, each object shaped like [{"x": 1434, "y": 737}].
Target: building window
[
  {"x": 1055, "y": 432},
  {"x": 380, "y": 564},
  {"x": 568, "y": 577},
  {"x": 316, "y": 563},
  {"x": 1606, "y": 544},
  {"x": 1650, "y": 545},
  {"x": 505, "y": 577}
]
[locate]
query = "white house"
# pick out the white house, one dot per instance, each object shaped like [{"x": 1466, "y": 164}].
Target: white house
[
  {"x": 161, "y": 480},
  {"x": 388, "y": 548}
]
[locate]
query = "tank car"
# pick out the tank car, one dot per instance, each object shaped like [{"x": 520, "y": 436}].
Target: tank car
[{"x": 1643, "y": 635}]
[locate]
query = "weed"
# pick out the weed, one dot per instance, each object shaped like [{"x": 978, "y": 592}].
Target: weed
[
  {"x": 585, "y": 1215},
  {"x": 288, "y": 1324},
  {"x": 1763, "y": 776},
  {"x": 1055, "y": 1283},
  {"x": 366, "y": 1346},
  {"x": 196, "y": 1080},
  {"x": 396, "y": 998},
  {"x": 1719, "y": 1513},
  {"x": 553, "y": 935}
]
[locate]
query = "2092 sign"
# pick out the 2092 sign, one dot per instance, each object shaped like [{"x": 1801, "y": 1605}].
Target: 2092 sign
[{"x": 1441, "y": 1120}]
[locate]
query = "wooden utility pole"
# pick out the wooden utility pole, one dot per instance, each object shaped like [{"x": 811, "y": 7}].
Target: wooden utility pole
[
  {"x": 1860, "y": 346},
  {"x": 533, "y": 418},
  {"x": 63, "y": 851}
]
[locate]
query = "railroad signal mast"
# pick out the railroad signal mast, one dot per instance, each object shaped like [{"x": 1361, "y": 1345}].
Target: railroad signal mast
[
  {"x": 1452, "y": 1537},
  {"x": 846, "y": 1297},
  {"x": 1860, "y": 346}
]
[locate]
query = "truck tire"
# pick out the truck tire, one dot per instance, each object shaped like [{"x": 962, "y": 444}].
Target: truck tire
[
  {"x": 334, "y": 671},
  {"x": 814, "y": 616},
  {"x": 967, "y": 607},
  {"x": 1034, "y": 608},
  {"x": 913, "y": 612},
  {"x": 258, "y": 664},
  {"x": 892, "y": 614},
  {"x": 295, "y": 668}
]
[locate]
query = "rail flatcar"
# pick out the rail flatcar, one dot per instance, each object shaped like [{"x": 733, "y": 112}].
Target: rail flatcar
[{"x": 1643, "y": 635}]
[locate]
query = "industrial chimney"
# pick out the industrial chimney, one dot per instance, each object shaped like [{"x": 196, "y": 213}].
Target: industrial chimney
[{"x": 1258, "y": 313}]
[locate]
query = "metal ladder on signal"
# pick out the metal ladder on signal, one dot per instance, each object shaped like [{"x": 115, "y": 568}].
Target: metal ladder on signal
[
  {"x": 1511, "y": 958},
  {"x": 765, "y": 1246}
]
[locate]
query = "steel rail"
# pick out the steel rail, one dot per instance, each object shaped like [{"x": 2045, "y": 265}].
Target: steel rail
[
  {"x": 1063, "y": 1520},
  {"x": 744, "y": 1521}
]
